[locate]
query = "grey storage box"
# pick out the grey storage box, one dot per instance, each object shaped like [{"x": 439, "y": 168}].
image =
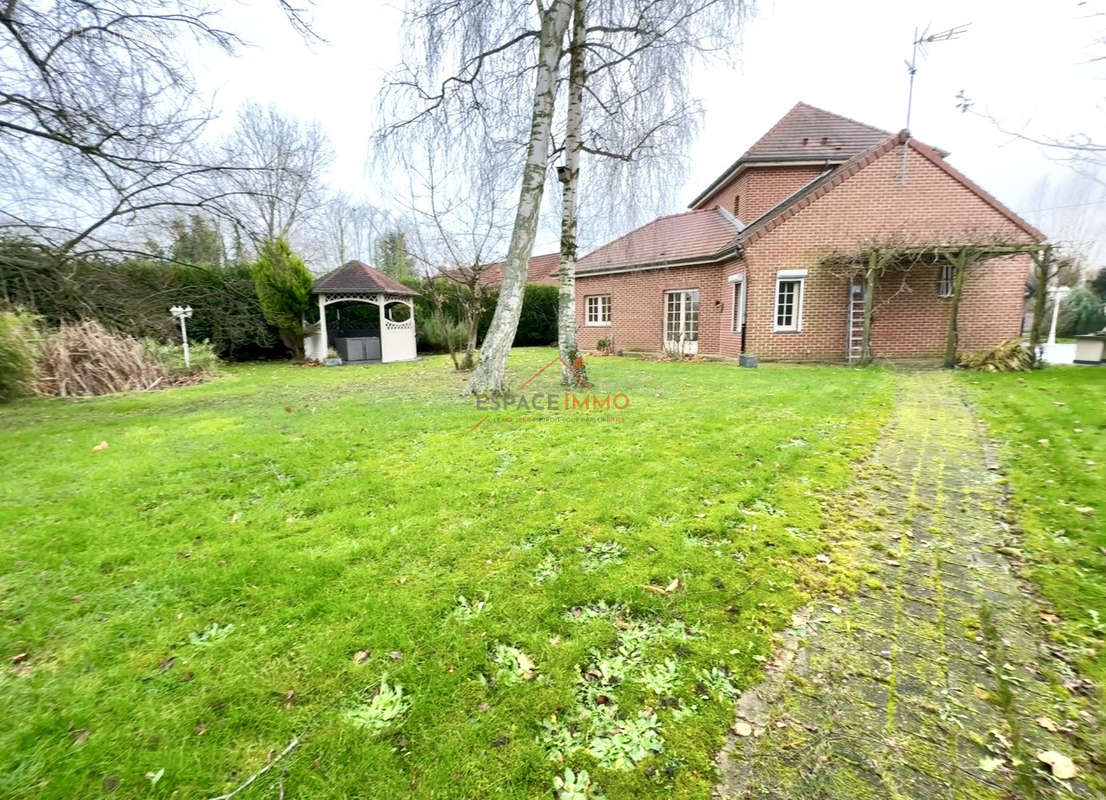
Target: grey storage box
[{"x": 360, "y": 348}]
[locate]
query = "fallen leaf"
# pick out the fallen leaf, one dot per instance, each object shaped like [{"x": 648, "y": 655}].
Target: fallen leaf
[
  {"x": 1062, "y": 766},
  {"x": 166, "y": 664},
  {"x": 1049, "y": 618},
  {"x": 742, "y": 728},
  {"x": 288, "y": 409},
  {"x": 19, "y": 658},
  {"x": 234, "y": 517},
  {"x": 81, "y": 737},
  {"x": 154, "y": 777},
  {"x": 101, "y": 446},
  {"x": 396, "y": 655},
  {"x": 1047, "y": 724},
  {"x": 700, "y": 516},
  {"x": 673, "y": 586},
  {"x": 988, "y": 764},
  {"x": 526, "y": 665},
  {"x": 200, "y": 729},
  {"x": 1084, "y": 509},
  {"x": 110, "y": 782},
  {"x": 289, "y": 699},
  {"x": 555, "y": 640},
  {"x": 980, "y": 692},
  {"x": 1044, "y": 442},
  {"x": 822, "y": 558},
  {"x": 361, "y": 656}
]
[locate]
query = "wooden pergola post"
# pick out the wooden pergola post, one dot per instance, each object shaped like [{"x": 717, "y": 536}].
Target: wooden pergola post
[{"x": 959, "y": 261}]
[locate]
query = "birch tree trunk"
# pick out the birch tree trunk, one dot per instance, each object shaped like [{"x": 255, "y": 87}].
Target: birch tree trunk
[
  {"x": 572, "y": 366},
  {"x": 490, "y": 374}
]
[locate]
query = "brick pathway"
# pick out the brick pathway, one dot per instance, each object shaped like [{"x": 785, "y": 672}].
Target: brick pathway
[{"x": 928, "y": 682}]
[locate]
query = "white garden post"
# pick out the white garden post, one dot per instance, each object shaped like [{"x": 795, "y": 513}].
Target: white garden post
[
  {"x": 325, "y": 351},
  {"x": 182, "y": 314},
  {"x": 1058, "y": 295}
]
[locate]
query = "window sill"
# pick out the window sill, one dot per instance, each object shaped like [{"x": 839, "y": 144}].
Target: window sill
[
  {"x": 787, "y": 330},
  {"x": 597, "y": 324}
]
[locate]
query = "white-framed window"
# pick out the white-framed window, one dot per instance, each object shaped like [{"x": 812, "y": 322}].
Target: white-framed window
[
  {"x": 681, "y": 316},
  {"x": 944, "y": 280},
  {"x": 598, "y": 309},
  {"x": 737, "y": 318},
  {"x": 789, "y": 300}
]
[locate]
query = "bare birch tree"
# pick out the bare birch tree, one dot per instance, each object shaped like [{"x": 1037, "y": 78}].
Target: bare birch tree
[
  {"x": 478, "y": 56},
  {"x": 630, "y": 113}
]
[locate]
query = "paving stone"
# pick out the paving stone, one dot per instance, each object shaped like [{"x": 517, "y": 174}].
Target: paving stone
[{"x": 902, "y": 691}]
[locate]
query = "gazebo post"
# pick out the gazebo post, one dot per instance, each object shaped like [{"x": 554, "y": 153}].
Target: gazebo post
[
  {"x": 322, "y": 326},
  {"x": 380, "y": 310}
]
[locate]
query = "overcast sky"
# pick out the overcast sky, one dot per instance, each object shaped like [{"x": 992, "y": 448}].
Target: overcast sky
[{"x": 1025, "y": 63}]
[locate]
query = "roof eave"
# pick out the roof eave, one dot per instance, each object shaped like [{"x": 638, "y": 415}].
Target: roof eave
[
  {"x": 743, "y": 163},
  {"x": 725, "y": 254}
]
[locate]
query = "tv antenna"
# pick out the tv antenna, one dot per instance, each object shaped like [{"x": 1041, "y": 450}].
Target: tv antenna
[{"x": 921, "y": 39}]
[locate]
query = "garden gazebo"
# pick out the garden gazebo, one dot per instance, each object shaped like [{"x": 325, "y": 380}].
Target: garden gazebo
[{"x": 386, "y": 335}]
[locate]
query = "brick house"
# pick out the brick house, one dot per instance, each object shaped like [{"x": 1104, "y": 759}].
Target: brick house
[{"x": 742, "y": 272}]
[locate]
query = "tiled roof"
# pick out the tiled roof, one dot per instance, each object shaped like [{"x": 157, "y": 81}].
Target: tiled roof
[
  {"x": 692, "y": 236},
  {"x": 541, "y": 269},
  {"x": 808, "y": 132},
  {"x": 804, "y": 133},
  {"x": 356, "y": 276},
  {"x": 834, "y": 176}
]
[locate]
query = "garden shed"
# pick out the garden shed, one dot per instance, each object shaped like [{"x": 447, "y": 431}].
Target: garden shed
[{"x": 364, "y": 315}]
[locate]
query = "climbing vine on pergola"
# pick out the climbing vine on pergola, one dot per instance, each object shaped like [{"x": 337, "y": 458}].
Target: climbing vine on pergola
[{"x": 870, "y": 261}]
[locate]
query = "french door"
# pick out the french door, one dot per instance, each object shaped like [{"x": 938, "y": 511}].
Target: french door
[{"x": 681, "y": 321}]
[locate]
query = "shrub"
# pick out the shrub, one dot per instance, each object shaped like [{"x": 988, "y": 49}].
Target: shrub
[
  {"x": 17, "y": 354},
  {"x": 438, "y": 331},
  {"x": 85, "y": 358},
  {"x": 283, "y": 286},
  {"x": 1010, "y": 356},
  {"x": 1081, "y": 312},
  {"x": 537, "y": 322},
  {"x": 203, "y": 361},
  {"x": 133, "y": 296}
]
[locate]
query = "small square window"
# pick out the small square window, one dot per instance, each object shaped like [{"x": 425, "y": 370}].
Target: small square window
[
  {"x": 597, "y": 310},
  {"x": 944, "y": 280}
]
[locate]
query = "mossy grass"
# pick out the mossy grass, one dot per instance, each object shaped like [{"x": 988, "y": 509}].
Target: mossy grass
[{"x": 360, "y": 537}]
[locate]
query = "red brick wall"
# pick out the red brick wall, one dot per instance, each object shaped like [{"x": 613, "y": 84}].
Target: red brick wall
[
  {"x": 637, "y": 306},
  {"x": 761, "y": 188},
  {"x": 871, "y": 205},
  {"x": 911, "y": 321}
]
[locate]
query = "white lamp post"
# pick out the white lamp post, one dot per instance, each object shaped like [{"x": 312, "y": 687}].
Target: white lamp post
[
  {"x": 1058, "y": 294},
  {"x": 182, "y": 314}
]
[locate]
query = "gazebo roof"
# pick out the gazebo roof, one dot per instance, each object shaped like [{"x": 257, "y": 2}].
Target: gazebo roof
[{"x": 356, "y": 276}]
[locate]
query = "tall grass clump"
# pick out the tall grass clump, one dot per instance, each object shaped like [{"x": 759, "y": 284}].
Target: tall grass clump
[
  {"x": 18, "y": 338},
  {"x": 85, "y": 358}
]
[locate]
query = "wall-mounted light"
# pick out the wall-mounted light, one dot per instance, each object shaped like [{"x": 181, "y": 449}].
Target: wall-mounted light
[{"x": 718, "y": 305}]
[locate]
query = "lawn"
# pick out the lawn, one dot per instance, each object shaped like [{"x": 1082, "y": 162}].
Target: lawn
[
  {"x": 336, "y": 556},
  {"x": 1052, "y": 428}
]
